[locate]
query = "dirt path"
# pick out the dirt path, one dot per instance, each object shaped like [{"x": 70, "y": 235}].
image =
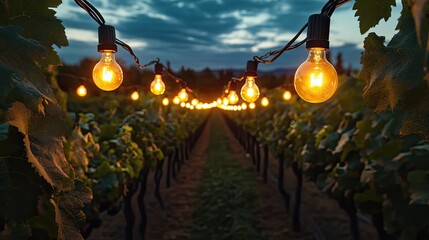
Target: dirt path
[
  {"x": 321, "y": 216},
  {"x": 175, "y": 220}
]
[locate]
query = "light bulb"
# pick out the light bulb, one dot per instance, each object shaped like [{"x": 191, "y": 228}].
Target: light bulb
[
  {"x": 316, "y": 79},
  {"x": 188, "y": 105},
  {"x": 176, "y": 100},
  {"x": 165, "y": 101},
  {"x": 239, "y": 108},
  {"x": 265, "y": 102},
  {"x": 252, "y": 105},
  {"x": 107, "y": 74},
  {"x": 135, "y": 96},
  {"x": 192, "y": 107},
  {"x": 250, "y": 91},
  {"x": 287, "y": 95},
  {"x": 225, "y": 101},
  {"x": 182, "y": 104},
  {"x": 199, "y": 106},
  {"x": 244, "y": 106},
  {"x": 233, "y": 97},
  {"x": 157, "y": 86},
  {"x": 183, "y": 95},
  {"x": 81, "y": 91},
  {"x": 194, "y": 102},
  {"x": 219, "y": 101}
]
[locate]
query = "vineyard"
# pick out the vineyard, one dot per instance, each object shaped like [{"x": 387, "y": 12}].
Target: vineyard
[{"x": 328, "y": 153}]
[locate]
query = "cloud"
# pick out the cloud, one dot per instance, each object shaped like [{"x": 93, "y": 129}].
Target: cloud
[{"x": 215, "y": 33}]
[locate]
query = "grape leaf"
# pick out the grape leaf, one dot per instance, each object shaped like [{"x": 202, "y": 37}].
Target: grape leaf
[
  {"x": 68, "y": 213},
  {"x": 391, "y": 72},
  {"x": 22, "y": 78},
  {"x": 42, "y": 140},
  {"x": 37, "y": 18},
  {"x": 419, "y": 9},
  {"x": 370, "y": 12}
]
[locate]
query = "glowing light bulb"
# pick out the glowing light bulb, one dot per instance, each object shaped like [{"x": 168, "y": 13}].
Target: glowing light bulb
[
  {"x": 135, "y": 96},
  {"x": 157, "y": 86},
  {"x": 176, "y": 100},
  {"x": 183, "y": 95},
  {"x": 188, "y": 105},
  {"x": 252, "y": 105},
  {"x": 225, "y": 101},
  {"x": 81, "y": 91},
  {"x": 219, "y": 101},
  {"x": 244, "y": 106},
  {"x": 107, "y": 74},
  {"x": 165, "y": 101},
  {"x": 233, "y": 97},
  {"x": 265, "y": 102},
  {"x": 316, "y": 79},
  {"x": 183, "y": 104},
  {"x": 194, "y": 102},
  {"x": 287, "y": 95},
  {"x": 250, "y": 91}
]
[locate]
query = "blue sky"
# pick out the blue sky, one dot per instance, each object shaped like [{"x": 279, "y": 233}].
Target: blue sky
[{"x": 211, "y": 33}]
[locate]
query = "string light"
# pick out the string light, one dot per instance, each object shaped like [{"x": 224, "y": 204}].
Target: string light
[
  {"x": 183, "y": 104},
  {"x": 316, "y": 79},
  {"x": 225, "y": 101},
  {"x": 135, "y": 96},
  {"x": 81, "y": 91},
  {"x": 165, "y": 101},
  {"x": 157, "y": 86},
  {"x": 183, "y": 95},
  {"x": 252, "y": 105},
  {"x": 287, "y": 95},
  {"x": 176, "y": 100},
  {"x": 265, "y": 102},
  {"x": 194, "y": 102},
  {"x": 250, "y": 91},
  {"x": 244, "y": 106},
  {"x": 107, "y": 74}
]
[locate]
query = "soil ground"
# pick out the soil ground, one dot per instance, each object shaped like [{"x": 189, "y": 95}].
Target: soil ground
[{"x": 321, "y": 217}]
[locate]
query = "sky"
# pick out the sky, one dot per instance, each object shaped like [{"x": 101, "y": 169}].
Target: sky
[{"x": 212, "y": 33}]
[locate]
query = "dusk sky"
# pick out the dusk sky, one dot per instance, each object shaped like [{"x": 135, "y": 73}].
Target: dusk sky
[{"x": 211, "y": 33}]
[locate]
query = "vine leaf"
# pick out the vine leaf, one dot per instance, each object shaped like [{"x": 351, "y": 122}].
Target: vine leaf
[
  {"x": 22, "y": 78},
  {"x": 419, "y": 14},
  {"x": 68, "y": 211},
  {"x": 38, "y": 21},
  {"x": 370, "y": 12},
  {"x": 42, "y": 142},
  {"x": 391, "y": 72}
]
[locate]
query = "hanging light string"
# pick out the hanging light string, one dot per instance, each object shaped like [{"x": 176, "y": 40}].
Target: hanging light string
[
  {"x": 96, "y": 15},
  {"x": 328, "y": 9}
]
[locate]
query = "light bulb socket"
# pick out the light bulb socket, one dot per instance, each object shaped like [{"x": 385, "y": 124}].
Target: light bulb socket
[
  {"x": 158, "y": 69},
  {"x": 106, "y": 39},
  {"x": 318, "y": 31},
  {"x": 251, "y": 69}
]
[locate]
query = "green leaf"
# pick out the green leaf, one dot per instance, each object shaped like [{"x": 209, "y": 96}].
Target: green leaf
[
  {"x": 68, "y": 213},
  {"x": 419, "y": 186},
  {"x": 22, "y": 78},
  {"x": 42, "y": 140},
  {"x": 370, "y": 12},
  {"x": 391, "y": 72},
  {"x": 419, "y": 10},
  {"x": 37, "y": 19}
]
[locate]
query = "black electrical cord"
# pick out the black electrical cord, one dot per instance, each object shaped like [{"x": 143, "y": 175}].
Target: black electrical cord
[
  {"x": 96, "y": 15},
  {"x": 328, "y": 9}
]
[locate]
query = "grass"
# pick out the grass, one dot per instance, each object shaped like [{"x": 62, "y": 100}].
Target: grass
[{"x": 227, "y": 200}]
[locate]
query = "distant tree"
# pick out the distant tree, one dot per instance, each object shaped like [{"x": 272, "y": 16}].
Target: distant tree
[{"x": 339, "y": 64}]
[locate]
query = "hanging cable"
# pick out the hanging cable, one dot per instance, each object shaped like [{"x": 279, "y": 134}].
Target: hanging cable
[{"x": 328, "y": 9}]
